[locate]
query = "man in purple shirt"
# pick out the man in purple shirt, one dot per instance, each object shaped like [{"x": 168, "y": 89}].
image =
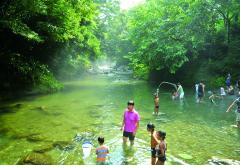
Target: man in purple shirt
[{"x": 130, "y": 123}]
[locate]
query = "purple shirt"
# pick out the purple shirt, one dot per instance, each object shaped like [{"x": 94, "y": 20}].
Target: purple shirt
[{"x": 130, "y": 120}]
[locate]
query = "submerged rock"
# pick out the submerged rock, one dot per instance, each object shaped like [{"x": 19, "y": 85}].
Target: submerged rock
[
  {"x": 220, "y": 161},
  {"x": 8, "y": 110},
  {"x": 4, "y": 130},
  {"x": 43, "y": 149},
  {"x": 36, "y": 159},
  {"x": 61, "y": 144},
  {"x": 18, "y": 105},
  {"x": 41, "y": 109},
  {"x": 24, "y": 135},
  {"x": 35, "y": 138}
]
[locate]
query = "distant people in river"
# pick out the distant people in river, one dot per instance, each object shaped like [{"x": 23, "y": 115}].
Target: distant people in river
[
  {"x": 196, "y": 89},
  {"x": 154, "y": 141},
  {"x": 161, "y": 148},
  {"x": 228, "y": 81},
  {"x": 156, "y": 104},
  {"x": 237, "y": 103},
  {"x": 238, "y": 84},
  {"x": 130, "y": 123},
  {"x": 213, "y": 97},
  {"x": 201, "y": 91},
  {"x": 102, "y": 152},
  {"x": 222, "y": 92},
  {"x": 174, "y": 95},
  {"x": 180, "y": 91},
  {"x": 231, "y": 90}
]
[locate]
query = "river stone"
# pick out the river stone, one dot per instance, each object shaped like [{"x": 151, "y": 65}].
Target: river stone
[
  {"x": 18, "y": 105},
  {"x": 4, "y": 130},
  {"x": 61, "y": 144},
  {"x": 220, "y": 161},
  {"x": 43, "y": 149},
  {"x": 8, "y": 109},
  {"x": 41, "y": 109},
  {"x": 35, "y": 138},
  {"x": 36, "y": 159},
  {"x": 186, "y": 156},
  {"x": 23, "y": 135}
]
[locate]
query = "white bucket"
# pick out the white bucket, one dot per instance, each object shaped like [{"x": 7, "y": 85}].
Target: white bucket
[{"x": 86, "y": 147}]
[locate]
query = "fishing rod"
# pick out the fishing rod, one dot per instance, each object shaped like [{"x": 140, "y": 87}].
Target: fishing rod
[{"x": 165, "y": 82}]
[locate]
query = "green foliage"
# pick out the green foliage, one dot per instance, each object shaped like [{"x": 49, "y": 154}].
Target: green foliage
[
  {"x": 167, "y": 34},
  {"x": 164, "y": 33},
  {"x": 217, "y": 82},
  {"x": 113, "y": 32},
  {"x": 37, "y": 30}
]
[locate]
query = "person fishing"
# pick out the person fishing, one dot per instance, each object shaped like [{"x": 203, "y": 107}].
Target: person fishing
[
  {"x": 154, "y": 141},
  {"x": 180, "y": 91},
  {"x": 156, "y": 104},
  {"x": 130, "y": 123},
  {"x": 237, "y": 103},
  {"x": 201, "y": 91},
  {"x": 161, "y": 148}
]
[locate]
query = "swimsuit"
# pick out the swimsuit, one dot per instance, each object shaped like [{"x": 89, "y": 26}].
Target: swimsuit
[{"x": 159, "y": 155}]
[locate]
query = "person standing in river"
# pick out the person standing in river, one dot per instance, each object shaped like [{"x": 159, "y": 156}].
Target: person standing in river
[
  {"x": 228, "y": 81},
  {"x": 180, "y": 91},
  {"x": 196, "y": 89},
  {"x": 154, "y": 141},
  {"x": 156, "y": 104},
  {"x": 130, "y": 123},
  {"x": 201, "y": 91},
  {"x": 161, "y": 148}
]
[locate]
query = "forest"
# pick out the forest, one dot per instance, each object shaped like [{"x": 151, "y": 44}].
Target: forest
[{"x": 45, "y": 42}]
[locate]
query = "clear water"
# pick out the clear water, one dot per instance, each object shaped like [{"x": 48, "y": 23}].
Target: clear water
[{"x": 95, "y": 104}]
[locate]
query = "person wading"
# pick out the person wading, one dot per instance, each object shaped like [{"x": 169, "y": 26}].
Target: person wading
[{"x": 130, "y": 123}]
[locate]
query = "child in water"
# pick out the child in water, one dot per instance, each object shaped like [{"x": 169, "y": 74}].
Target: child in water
[
  {"x": 154, "y": 141},
  {"x": 161, "y": 148},
  {"x": 102, "y": 152},
  {"x": 156, "y": 104},
  {"x": 174, "y": 95}
]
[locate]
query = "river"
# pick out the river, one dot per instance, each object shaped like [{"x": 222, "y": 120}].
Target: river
[{"x": 94, "y": 105}]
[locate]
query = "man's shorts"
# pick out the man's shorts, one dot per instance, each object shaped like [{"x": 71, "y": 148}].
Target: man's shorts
[
  {"x": 129, "y": 135},
  {"x": 153, "y": 151},
  {"x": 237, "y": 116}
]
